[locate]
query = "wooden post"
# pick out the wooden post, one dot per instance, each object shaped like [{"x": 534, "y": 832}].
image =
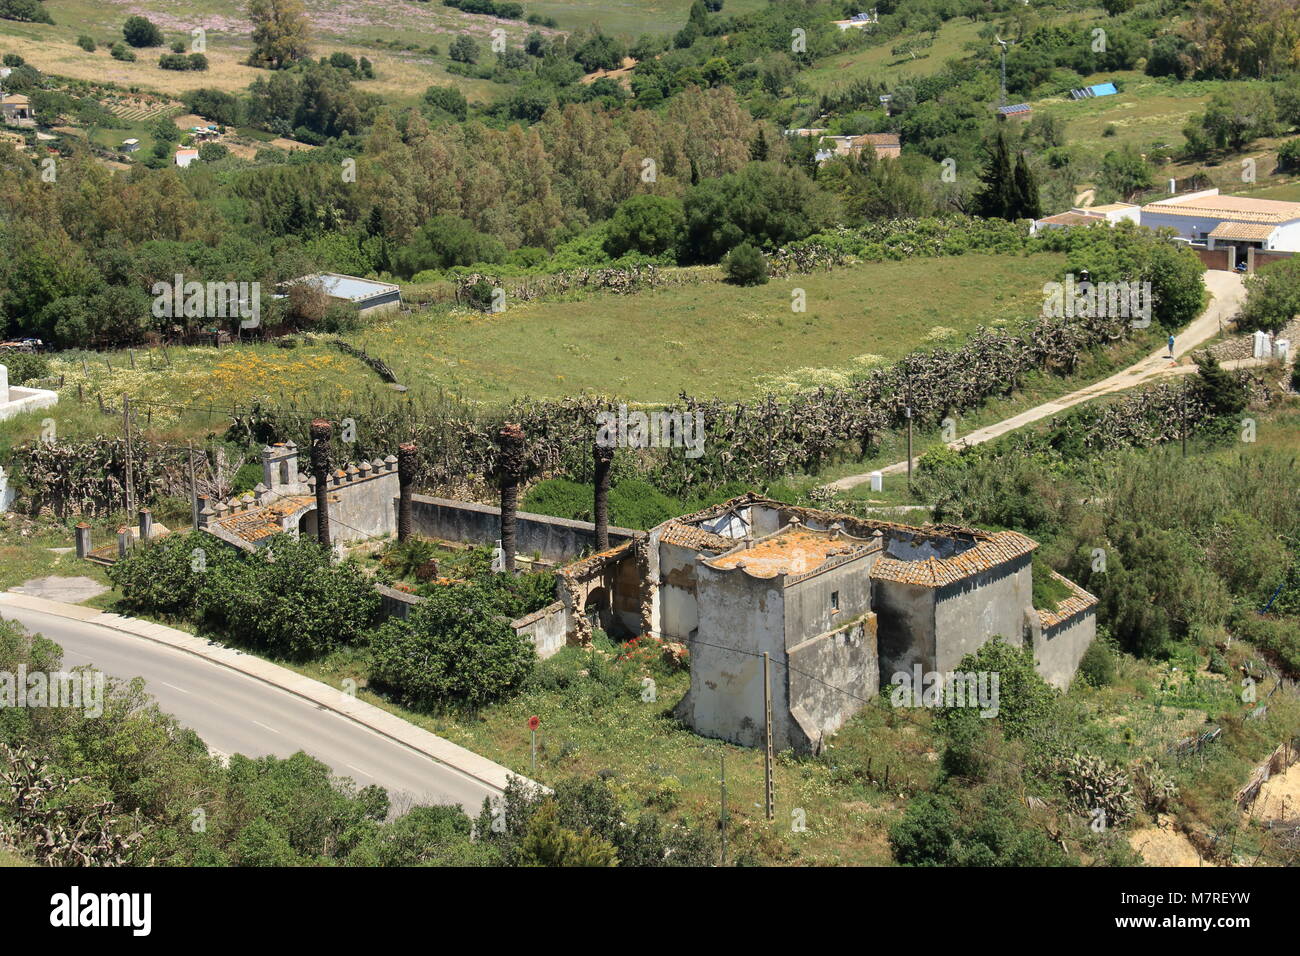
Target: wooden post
[
  {"x": 126, "y": 438},
  {"x": 770, "y": 795},
  {"x": 194, "y": 489}
]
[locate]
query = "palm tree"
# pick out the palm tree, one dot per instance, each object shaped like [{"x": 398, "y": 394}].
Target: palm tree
[{"x": 511, "y": 442}]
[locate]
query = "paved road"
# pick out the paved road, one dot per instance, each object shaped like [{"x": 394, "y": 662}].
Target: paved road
[
  {"x": 1227, "y": 294},
  {"x": 235, "y": 713}
]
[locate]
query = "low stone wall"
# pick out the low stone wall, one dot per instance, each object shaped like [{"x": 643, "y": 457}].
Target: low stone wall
[
  {"x": 555, "y": 539},
  {"x": 547, "y": 629},
  {"x": 21, "y": 400},
  {"x": 395, "y": 603}
]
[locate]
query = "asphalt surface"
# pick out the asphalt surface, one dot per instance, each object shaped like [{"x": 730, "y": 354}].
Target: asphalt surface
[{"x": 235, "y": 713}]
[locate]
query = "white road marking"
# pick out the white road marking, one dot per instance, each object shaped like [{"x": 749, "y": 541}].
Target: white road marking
[
  {"x": 359, "y": 770},
  {"x": 173, "y": 687},
  {"x": 264, "y": 727}
]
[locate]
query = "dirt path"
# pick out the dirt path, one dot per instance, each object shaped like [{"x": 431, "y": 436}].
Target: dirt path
[{"x": 1227, "y": 293}]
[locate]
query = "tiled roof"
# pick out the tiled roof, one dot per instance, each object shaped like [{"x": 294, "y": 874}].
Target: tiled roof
[
  {"x": 598, "y": 560},
  {"x": 696, "y": 539},
  {"x": 1071, "y": 219},
  {"x": 1255, "y": 232},
  {"x": 1239, "y": 208},
  {"x": 259, "y": 523},
  {"x": 1078, "y": 602},
  {"x": 992, "y": 549}
]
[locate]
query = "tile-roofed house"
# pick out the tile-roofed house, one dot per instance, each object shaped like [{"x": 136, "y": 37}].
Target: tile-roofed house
[
  {"x": 1217, "y": 220},
  {"x": 16, "y": 110}
]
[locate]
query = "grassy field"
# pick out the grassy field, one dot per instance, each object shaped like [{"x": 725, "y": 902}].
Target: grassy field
[
  {"x": 710, "y": 338},
  {"x": 877, "y": 61},
  {"x": 628, "y": 17},
  {"x": 357, "y": 28},
  {"x": 1148, "y": 111}
]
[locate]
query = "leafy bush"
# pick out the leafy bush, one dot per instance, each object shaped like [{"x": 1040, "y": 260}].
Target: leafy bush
[
  {"x": 119, "y": 52},
  {"x": 989, "y": 826},
  {"x": 86, "y": 43},
  {"x": 1048, "y": 590},
  {"x": 745, "y": 265},
  {"x": 451, "y": 650},
  {"x": 290, "y": 599},
  {"x": 140, "y": 32},
  {"x": 1097, "y": 666},
  {"x": 166, "y": 576},
  {"x": 25, "y": 366}
]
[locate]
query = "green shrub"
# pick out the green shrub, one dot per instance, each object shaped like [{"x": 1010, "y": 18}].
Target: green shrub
[
  {"x": 140, "y": 32},
  {"x": 745, "y": 265},
  {"x": 86, "y": 43},
  {"x": 290, "y": 599},
  {"x": 167, "y": 576},
  {"x": 1048, "y": 590},
  {"x": 119, "y": 52},
  {"x": 25, "y": 366},
  {"x": 1097, "y": 666},
  {"x": 560, "y": 498},
  {"x": 449, "y": 652}
]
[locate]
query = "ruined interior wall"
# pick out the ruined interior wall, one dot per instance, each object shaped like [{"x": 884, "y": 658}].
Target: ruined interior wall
[
  {"x": 975, "y": 609},
  {"x": 679, "y": 613},
  {"x": 905, "y": 626}
]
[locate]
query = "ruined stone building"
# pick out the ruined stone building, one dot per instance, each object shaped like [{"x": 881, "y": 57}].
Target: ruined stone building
[{"x": 839, "y": 603}]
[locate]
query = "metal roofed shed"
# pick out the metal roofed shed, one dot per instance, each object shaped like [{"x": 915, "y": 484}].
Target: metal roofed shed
[
  {"x": 368, "y": 296},
  {"x": 1019, "y": 109}
]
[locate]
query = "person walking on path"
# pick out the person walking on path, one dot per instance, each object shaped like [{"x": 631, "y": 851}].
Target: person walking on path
[{"x": 1171, "y": 345}]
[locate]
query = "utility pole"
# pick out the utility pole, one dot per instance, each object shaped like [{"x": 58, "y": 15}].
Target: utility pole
[
  {"x": 126, "y": 441},
  {"x": 1003, "y": 43},
  {"x": 1183, "y": 407},
  {"x": 770, "y": 795},
  {"x": 194, "y": 487},
  {"x": 908, "y": 412},
  {"x": 723, "y": 763}
]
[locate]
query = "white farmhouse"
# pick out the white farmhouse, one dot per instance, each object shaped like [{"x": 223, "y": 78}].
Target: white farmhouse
[{"x": 1218, "y": 221}]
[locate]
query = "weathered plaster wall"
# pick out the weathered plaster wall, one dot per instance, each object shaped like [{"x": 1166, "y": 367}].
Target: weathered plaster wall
[
  {"x": 843, "y": 658},
  {"x": 678, "y": 608},
  {"x": 555, "y": 539},
  {"x": 365, "y": 509},
  {"x": 809, "y": 610},
  {"x": 1059, "y": 649},
  {"x": 905, "y": 626},
  {"x": 740, "y": 618},
  {"x": 546, "y": 629},
  {"x": 975, "y": 609}
]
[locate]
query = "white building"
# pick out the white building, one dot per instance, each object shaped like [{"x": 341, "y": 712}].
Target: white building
[
  {"x": 1218, "y": 221},
  {"x": 367, "y": 295},
  {"x": 1111, "y": 213},
  {"x": 15, "y": 400}
]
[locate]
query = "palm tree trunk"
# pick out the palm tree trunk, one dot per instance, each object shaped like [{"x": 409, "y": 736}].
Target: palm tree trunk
[
  {"x": 320, "y": 467},
  {"x": 511, "y": 441},
  {"x": 604, "y": 458}
]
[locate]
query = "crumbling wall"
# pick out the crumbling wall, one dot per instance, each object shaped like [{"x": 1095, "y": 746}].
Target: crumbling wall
[
  {"x": 831, "y": 677},
  {"x": 740, "y": 618}
]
